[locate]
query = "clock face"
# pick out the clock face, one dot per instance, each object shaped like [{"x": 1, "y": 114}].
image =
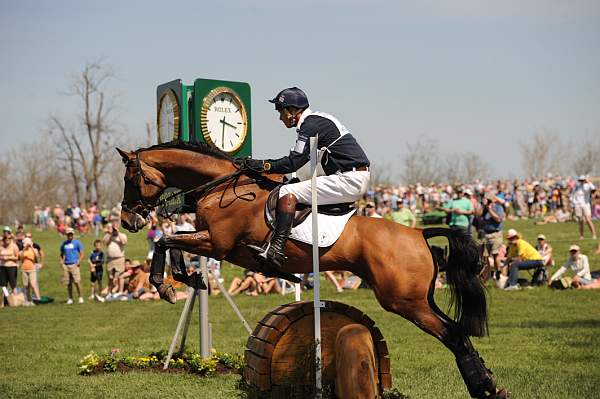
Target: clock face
[
  {"x": 168, "y": 117},
  {"x": 223, "y": 119}
]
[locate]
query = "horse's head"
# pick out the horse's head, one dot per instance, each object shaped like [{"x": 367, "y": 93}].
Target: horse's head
[{"x": 143, "y": 185}]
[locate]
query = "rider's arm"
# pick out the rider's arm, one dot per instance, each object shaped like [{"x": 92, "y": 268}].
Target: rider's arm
[{"x": 297, "y": 157}]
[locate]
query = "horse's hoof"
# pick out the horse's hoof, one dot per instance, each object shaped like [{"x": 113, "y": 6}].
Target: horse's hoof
[
  {"x": 167, "y": 293},
  {"x": 197, "y": 282},
  {"x": 502, "y": 394}
]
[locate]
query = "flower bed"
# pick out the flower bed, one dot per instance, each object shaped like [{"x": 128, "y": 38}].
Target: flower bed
[{"x": 190, "y": 362}]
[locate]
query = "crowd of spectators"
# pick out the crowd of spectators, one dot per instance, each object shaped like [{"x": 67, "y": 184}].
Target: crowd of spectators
[
  {"x": 522, "y": 199},
  {"x": 481, "y": 209},
  {"x": 477, "y": 208},
  {"x": 84, "y": 220}
]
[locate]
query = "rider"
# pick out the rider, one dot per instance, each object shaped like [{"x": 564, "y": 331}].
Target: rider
[{"x": 344, "y": 162}]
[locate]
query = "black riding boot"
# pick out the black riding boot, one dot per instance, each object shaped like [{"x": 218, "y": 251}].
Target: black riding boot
[{"x": 274, "y": 252}]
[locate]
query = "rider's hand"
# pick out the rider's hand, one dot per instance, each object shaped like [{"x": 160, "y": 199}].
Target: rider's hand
[{"x": 257, "y": 165}]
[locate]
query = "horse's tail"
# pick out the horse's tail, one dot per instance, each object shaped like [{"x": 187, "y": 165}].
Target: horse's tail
[{"x": 468, "y": 295}]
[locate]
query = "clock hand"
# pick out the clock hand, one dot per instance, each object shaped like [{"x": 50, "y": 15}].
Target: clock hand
[
  {"x": 223, "y": 134},
  {"x": 230, "y": 125},
  {"x": 223, "y": 121}
]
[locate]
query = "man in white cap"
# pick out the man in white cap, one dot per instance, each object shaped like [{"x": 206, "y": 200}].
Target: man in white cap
[
  {"x": 521, "y": 256},
  {"x": 581, "y": 202},
  {"x": 579, "y": 263}
]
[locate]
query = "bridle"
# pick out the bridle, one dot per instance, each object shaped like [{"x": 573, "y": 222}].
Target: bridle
[
  {"x": 136, "y": 181},
  {"x": 201, "y": 190}
]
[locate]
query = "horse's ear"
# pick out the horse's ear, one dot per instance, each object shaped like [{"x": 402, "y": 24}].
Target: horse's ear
[{"x": 123, "y": 154}]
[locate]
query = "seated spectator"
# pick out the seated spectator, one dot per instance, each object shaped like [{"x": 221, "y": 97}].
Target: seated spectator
[
  {"x": 560, "y": 216},
  {"x": 521, "y": 256},
  {"x": 545, "y": 250},
  {"x": 350, "y": 281},
  {"x": 139, "y": 282},
  {"x": 267, "y": 285},
  {"x": 248, "y": 284},
  {"x": 214, "y": 276},
  {"x": 132, "y": 269},
  {"x": 580, "y": 265}
]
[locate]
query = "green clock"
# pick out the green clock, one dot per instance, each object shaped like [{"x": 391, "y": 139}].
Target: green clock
[
  {"x": 222, "y": 115},
  {"x": 173, "y": 101},
  {"x": 216, "y": 112}
]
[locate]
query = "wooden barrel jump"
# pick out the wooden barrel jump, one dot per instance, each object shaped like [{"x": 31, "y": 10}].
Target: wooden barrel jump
[{"x": 279, "y": 354}]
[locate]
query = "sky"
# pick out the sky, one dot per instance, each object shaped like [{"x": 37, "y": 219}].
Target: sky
[{"x": 472, "y": 75}]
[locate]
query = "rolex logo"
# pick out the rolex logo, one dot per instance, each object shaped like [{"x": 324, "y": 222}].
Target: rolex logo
[{"x": 226, "y": 110}]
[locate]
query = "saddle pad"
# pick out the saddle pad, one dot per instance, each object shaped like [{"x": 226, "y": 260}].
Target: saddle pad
[{"x": 330, "y": 229}]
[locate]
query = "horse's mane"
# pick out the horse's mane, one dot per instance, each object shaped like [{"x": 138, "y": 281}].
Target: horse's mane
[{"x": 199, "y": 147}]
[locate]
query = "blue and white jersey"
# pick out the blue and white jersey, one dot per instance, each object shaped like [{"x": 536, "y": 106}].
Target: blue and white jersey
[{"x": 343, "y": 152}]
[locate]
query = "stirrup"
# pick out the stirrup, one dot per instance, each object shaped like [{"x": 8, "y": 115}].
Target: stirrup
[
  {"x": 275, "y": 260},
  {"x": 272, "y": 270},
  {"x": 261, "y": 252}
]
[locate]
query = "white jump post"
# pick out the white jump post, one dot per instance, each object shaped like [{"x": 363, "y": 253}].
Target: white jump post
[
  {"x": 314, "y": 162},
  {"x": 205, "y": 343}
]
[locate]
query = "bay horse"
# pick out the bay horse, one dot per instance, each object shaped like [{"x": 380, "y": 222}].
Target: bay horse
[{"x": 394, "y": 260}]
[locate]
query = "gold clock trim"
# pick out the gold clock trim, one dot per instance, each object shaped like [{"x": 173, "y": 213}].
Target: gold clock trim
[
  {"x": 176, "y": 111},
  {"x": 207, "y": 101}
]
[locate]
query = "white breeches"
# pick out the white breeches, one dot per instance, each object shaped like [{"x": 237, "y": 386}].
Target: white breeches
[{"x": 332, "y": 189}]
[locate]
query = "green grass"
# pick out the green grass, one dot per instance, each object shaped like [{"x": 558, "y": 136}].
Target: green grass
[{"x": 542, "y": 343}]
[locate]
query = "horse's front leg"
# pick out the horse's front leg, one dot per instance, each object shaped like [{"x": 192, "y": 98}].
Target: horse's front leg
[{"x": 196, "y": 242}]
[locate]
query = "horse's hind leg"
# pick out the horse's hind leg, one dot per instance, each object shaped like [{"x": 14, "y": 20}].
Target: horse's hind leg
[{"x": 425, "y": 314}]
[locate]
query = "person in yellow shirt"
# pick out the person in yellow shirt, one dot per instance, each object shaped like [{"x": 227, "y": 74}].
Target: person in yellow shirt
[{"x": 521, "y": 256}]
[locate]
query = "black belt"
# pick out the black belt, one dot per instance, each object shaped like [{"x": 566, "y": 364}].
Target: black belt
[{"x": 363, "y": 168}]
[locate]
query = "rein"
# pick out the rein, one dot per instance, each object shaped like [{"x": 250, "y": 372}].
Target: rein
[{"x": 203, "y": 189}]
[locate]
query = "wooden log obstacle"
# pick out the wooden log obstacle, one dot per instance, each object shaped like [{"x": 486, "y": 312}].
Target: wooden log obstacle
[{"x": 279, "y": 356}]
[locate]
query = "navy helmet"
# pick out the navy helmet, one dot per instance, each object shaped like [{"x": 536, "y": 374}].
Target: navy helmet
[{"x": 290, "y": 97}]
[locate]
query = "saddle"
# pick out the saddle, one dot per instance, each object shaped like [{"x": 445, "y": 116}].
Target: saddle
[{"x": 302, "y": 210}]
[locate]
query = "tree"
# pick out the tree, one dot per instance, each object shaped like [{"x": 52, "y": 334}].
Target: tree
[
  {"x": 87, "y": 142},
  {"x": 29, "y": 176},
  {"x": 474, "y": 167},
  {"x": 421, "y": 162},
  {"x": 380, "y": 174},
  {"x": 452, "y": 168},
  {"x": 587, "y": 157},
  {"x": 541, "y": 154}
]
